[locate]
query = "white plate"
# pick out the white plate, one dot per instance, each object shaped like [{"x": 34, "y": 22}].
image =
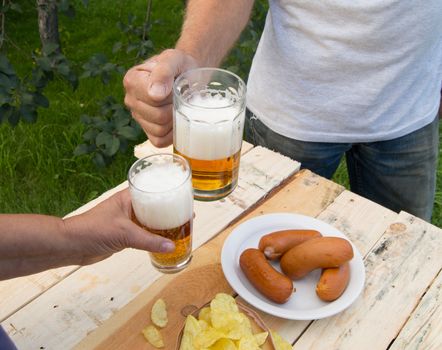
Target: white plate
[{"x": 304, "y": 303}]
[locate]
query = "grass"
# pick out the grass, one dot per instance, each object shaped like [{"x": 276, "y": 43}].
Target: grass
[{"x": 38, "y": 172}]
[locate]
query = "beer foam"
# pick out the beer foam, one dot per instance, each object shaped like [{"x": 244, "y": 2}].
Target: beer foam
[
  {"x": 210, "y": 130},
  {"x": 162, "y": 198}
]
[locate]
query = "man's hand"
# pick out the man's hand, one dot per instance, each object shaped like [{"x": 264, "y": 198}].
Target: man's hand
[
  {"x": 32, "y": 243},
  {"x": 107, "y": 229},
  {"x": 149, "y": 93}
]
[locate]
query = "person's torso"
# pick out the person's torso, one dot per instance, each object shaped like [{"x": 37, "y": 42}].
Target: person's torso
[{"x": 348, "y": 71}]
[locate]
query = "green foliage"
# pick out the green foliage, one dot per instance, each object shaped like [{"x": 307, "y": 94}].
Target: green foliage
[
  {"x": 20, "y": 98},
  {"x": 99, "y": 66},
  {"x": 136, "y": 39},
  {"x": 108, "y": 133}
]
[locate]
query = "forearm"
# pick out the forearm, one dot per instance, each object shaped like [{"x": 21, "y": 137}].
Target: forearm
[
  {"x": 211, "y": 27},
  {"x": 33, "y": 243}
]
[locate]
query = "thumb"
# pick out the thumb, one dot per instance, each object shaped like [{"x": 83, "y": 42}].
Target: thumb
[
  {"x": 166, "y": 67},
  {"x": 138, "y": 238}
]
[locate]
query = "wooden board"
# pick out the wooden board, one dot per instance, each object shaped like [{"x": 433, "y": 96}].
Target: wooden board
[
  {"x": 191, "y": 288},
  {"x": 410, "y": 250},
  {"x": 17, "y": 292},
  {"x": 82, "y": 301},
  {"x": 424, "y": 328}
]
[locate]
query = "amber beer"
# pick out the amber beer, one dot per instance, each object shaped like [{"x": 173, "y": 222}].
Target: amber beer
[
  {"x": 209, "y": 113},
  {"x": 180, "y": 235},
  {"x": 162, "y": 201}
]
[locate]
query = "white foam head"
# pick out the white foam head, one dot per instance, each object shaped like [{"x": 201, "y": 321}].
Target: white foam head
[
  {"x": 209, "y": 126},
  {"x": 162, "y": 196}
]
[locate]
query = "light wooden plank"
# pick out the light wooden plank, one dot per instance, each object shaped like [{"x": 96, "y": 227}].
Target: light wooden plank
[
  {"x": 399, "y": 269},
  {"x": 146, "y": 149},
  {"x": 93, "y": 293},
  {"x": 17, "y": 292},
  {"x": 363, "y": 221},
  {"x": 424, "y": 328},
  {"x": 123, "y": 330}
]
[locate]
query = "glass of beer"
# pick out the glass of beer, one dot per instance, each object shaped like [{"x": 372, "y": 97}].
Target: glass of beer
[
  {"x": 208, "y": 123},
  {"x": 162, "y": 200}
]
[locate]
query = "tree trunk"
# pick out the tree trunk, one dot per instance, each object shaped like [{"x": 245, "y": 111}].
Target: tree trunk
[{"x": 48, "y": 22}]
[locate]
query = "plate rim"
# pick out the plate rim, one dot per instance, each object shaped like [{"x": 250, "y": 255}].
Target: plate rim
[{"x": 273, "y": 308}]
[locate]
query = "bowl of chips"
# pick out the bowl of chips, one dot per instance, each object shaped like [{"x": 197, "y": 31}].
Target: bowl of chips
[{"x": 224, "y": 324}]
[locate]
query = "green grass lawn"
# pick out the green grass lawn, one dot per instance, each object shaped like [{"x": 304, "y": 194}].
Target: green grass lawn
[{"x": 39, "y": 173}]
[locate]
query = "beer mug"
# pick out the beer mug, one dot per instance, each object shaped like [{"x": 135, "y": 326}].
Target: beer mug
[
  {"x": 162, "y": 201},
  {"x": 208, "y": 123}
]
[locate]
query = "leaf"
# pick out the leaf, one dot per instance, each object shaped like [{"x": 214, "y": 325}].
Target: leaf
[
  {"x": 81, "y": 149},
  {"x": 50, "y": 48},
  {"x": 5, "y": 66},
  {"x": 41, "y": 100},
  {"x": 5, "y": 81},
  {"x": 44, "y": 63},
  {"x": 117, "y": 47},
  {"x": 63, "y": 69},
  {"x": 99, "y": 160},
  {"x": 103, "y": 139},
  {"x": 105, "y": 78},
  {"x": 90, "y": 135},
  {"x": 121, "y": 121},
  {"x": 85, "y": 119},
  {"x": 5, "y": 112},
  {"x": 5, "y": 96},
  {"x": 14, "y": 117},
  {"x": 28, "y": 113},
  {"x": 128, "y": 132},
  {"x": 27, "y": 98},
  {"x": 73, "y": 80},
  {"x": 113, "y": 147},
  {"x": 131, "y": 47},
  {"x": 86, "y": 74}
]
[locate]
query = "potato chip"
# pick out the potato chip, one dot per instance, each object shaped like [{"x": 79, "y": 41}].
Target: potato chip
[
  {"x": 192, "y": 328},
  {"x": 261, "y": 338},
  {"x": 224, "y": 302},
  {"x": 239, "y": 327},
  {"x": 205, "y": 315},
  {"x": 207, "y": 338},
  {"x": 221, "y": 327},
  {"x": 280, "y": 342},
  {"x": 223, "y": 344},
  {"x": 153, "y": 336},
  {"x": 159, "y": 313},
  {"x": 248, "y": 342}
]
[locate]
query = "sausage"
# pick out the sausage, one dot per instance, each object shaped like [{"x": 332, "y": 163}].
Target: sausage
[
  {"x": 268, "y": 281},
  {"x": 275, "y": 244},
  {"x": 320, "y": 252},
  {"x": 333, "y": 282}
]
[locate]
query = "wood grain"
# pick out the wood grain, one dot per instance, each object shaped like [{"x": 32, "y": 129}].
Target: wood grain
[
  {"x": 123, "y": 330},
  {"x": 399, "y": 268},
  {"x": 82, "y": 301}
]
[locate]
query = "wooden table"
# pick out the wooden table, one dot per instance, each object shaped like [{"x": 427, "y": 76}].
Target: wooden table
[{"x": 106, "y": 305}]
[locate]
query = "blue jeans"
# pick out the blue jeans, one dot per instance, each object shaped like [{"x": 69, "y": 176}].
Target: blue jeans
[
  {"x": 5, "y": 342},
  {"x": 399, "y": 174}
]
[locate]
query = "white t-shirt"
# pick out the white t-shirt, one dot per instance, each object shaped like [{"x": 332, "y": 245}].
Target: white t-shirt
[{"x": 348, "y": 70}]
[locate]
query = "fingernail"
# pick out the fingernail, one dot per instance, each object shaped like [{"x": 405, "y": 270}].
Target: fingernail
[
  {"x": 167, "y": 247},
  {"x": 157, "y": 89}
]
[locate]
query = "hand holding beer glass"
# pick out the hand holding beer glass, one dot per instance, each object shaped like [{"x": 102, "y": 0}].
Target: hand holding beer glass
[
  {"x": 208, "y": 123},
  {"x": 162, "y": 201}
]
